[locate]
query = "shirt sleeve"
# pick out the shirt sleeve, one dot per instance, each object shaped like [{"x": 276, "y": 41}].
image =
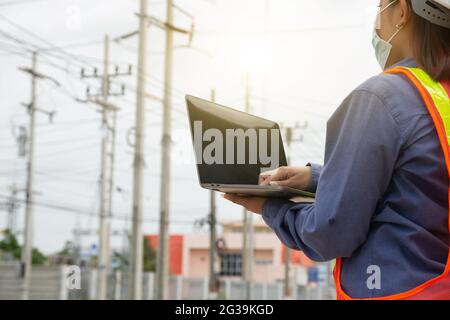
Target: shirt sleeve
[
  {"x": 315, "y": 174},
  {"x": 362, "y": 145}
]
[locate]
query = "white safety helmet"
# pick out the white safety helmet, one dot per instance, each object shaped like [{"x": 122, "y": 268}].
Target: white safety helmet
[{"x": 435, "y": 11}]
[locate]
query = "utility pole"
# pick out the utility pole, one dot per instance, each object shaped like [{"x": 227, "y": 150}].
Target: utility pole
[
  {"x": 137, "y": 238},
  {"x": 289, "y": 131},
  {"x": 26, "y": 257},
  {"x": 77, "y": 242},
  {"x": 212, "y": 236},
  {"x": 105, "y": 219},
  {"x": 113, "y": 160},
  {"x": 12, "y": 208},
  {"x": 28, "y": 231},
  {"x": 163, "y": 265},
  {"x": 136, "y": 257},
  {"x": 106, "y": 182},
  {"x": 287, "y": 250},
  {"x": 247, "y": 246}
]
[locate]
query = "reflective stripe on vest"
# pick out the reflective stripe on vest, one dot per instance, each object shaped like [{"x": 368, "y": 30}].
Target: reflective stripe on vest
[{"x": 437, "y": 100}]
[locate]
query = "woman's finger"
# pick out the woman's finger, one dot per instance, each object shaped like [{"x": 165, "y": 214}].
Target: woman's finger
[
  {"x": 280, "y": 174},
  {"x": 282, "y": 183},
  {"x": 253, "y": 204},
  {"x": 264, "y": 177},
  {"x": 264, "y": 180},
  {"x": 235, "y": 199}
]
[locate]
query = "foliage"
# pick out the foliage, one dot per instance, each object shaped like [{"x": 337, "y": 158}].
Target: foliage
[
  {"x": 149, "y": 257},
  {"x": 9, "y": 244}
]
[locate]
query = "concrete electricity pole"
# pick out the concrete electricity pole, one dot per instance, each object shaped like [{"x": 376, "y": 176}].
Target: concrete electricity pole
[
  {"x": 106, "y": 162},
  {"x": 247, "y": 246},
  {"x": 26, "y": 257},
  {"x": 112, "y": 159},
  {"x": 137, "y": 237},
  {"x": 106, "y": 212},
  {"x": 212, "y": 236},
  {"x": 105, "y": 219},
  {"x": 287, "y": 250},
  {"x": 28, "y": 231},
  {"x": 12, "y": 208},
  {"x": 136, "y": 257},
  {"x": 289, "y": 136},
  {"x": 163, "y": 265}
]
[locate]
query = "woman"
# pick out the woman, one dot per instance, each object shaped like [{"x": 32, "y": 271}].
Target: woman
[{"x": 382, "y": 196}]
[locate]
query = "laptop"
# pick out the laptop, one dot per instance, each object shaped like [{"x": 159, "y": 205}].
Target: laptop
[{"x": 232, "y": 148}]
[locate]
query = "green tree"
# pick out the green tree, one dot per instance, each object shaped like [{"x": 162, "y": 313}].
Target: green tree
[
  {"x": 149, "y": 257},
  {"x": 38, "y": 257},
  {"x": 9, "y": 244},
  {"x": 68, "y": 250}
]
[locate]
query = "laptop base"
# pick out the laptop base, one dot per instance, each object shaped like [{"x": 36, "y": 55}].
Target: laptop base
[{"x": 259, "y": 191}]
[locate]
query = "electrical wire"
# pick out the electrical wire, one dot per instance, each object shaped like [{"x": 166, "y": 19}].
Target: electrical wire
[
  {"x": 19, "y": 2},
  {"x": 88, "y": 213}
]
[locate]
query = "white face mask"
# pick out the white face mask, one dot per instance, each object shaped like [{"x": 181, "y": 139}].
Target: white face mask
[{"x": 383, "y": 48}]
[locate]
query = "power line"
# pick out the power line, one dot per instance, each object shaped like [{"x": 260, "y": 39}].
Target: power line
[
  {"x": 148, "y": 77},
  {"x": 66, "y": 178},
  {"x": 68, "y": 139},
  {"x": 18, "y": 2},
  {"x": 290, "y": 107},
  {"x": 24, "y": 43},
  {"x": 60, "y": 88},
  {"x": 69, "y": 123},
  {"x": 70, "y": 95},
  {"x": 67, "y": 151},
  {"x": 41, "y": 39},
  {"x": 74, "y": 45},
  {"x": 211, "y": 33},
  {"x": 86, "y": 212}
]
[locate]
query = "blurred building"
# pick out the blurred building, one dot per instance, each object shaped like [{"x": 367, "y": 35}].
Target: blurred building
[{"x": 189, "y": 254}]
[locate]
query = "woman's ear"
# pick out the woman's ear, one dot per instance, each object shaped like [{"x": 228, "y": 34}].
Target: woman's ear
[{"x": 405, "y": 13}]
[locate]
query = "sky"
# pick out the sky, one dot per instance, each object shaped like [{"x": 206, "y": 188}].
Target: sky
[{"x": 303, "y": 58}]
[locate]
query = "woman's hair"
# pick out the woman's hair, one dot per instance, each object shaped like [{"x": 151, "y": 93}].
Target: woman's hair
[{"x": 431, "y": 47}]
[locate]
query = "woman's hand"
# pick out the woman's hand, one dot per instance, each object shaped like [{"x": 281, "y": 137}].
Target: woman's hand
[
  {"x": 293, "y": 177},
  {"x": 253, "y": 204}
]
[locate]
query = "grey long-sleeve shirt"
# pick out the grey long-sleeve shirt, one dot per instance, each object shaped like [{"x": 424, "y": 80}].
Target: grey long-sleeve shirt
[{"x": 381, "y": 196}]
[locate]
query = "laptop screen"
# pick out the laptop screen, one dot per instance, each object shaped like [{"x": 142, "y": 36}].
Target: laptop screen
[{"x": 232, "y": 147}]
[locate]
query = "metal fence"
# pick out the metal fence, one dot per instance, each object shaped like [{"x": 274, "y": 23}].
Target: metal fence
[
  {"x": 49, "y": 282},
  {"x": 45, "y": 283},
  {"x": 182, "y": 288}
]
